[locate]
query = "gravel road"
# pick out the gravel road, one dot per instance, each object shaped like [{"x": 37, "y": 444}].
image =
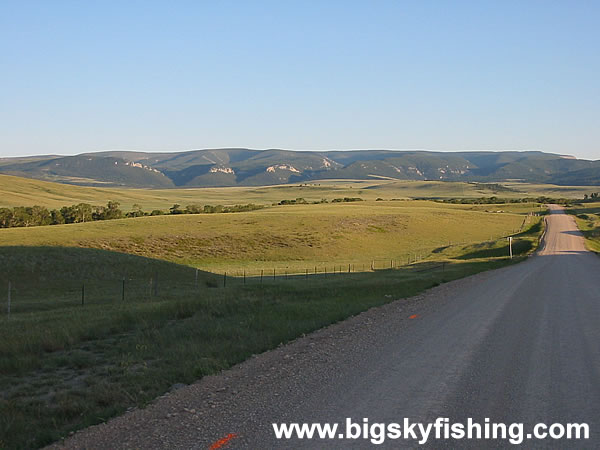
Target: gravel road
[{"x": 518, "y": 344}]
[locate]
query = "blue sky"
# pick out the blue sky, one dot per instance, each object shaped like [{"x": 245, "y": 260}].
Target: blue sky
[{"x": 172, "y": 75}]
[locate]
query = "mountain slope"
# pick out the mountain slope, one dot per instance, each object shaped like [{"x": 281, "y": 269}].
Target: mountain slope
[
  {"x": 90, "y": 170},
  {"x": 246, "y": 167}
]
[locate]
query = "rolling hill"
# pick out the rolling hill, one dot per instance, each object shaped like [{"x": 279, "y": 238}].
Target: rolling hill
[{"x": 246, "y": 167}]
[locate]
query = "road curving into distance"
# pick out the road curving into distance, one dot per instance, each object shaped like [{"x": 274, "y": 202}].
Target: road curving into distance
[{"x": 518, "y": 344}]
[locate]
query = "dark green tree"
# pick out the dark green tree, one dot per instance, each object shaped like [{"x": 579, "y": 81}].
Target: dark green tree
[
  {"x": 175, "y": 209},
  {"x": 6, "y": 217},
  {"x": 193, "y": 209},
  {"x": 112, "y": 211},
  {"x": 56, "y": 217}
]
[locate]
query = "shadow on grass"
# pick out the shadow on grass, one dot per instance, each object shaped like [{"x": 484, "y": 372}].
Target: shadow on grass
[
  {"x": 491, "y": 250},
  {"x": 47, "y": 262},
  {"x": 533, "y": 230},
  {"x": 584, "y": 210}
]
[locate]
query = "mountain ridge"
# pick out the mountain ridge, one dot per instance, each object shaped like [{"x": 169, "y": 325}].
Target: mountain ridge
[{"x": 251, "y": 167}]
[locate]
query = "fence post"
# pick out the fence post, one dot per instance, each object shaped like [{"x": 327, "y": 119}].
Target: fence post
[
  {"x": 261, "y": 275},
  {"x": 273, "y": 274},
  {"x": 224, "y": 279},
  {"x": 8, "y": 307},
  {"x": 307, "y": 274},
  {"x": 82, "y": 294},
  {"x": 196, "y": 280},
  {"x": 348, "y": 268},
  {"x": 244, "y": 276}
]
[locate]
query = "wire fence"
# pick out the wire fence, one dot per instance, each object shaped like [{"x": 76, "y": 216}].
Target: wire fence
[{"x": 29, "y": 295}]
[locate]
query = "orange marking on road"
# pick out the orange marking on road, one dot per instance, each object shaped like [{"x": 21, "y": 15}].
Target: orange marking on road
[
  {"x": 222, "y": 442},
  {"x": 414, "y": 316}
]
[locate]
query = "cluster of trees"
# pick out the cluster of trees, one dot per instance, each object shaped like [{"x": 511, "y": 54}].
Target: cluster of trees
[
  {"x": 298, "y": 201},
  {"x": 210, "y": 209},
  {"x": 497, "y": 200},
  {"x": 593, "y": 197},
  {"x": 347, "y": 199},
  {"x": 31, "y": 216},
  {"x": 492, "y": 187},
  {"x": 302, "y": 201}
]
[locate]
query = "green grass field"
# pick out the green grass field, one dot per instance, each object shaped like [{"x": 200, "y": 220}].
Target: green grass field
[
  {"x": 108, "y": 315},
  {"x": 293, "y": 238},
  {"x": 16, "y": 191}
]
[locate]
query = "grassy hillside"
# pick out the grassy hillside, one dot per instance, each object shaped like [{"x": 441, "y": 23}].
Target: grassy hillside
[
  {"x": 17, "y": 191},
  {"x": 291, "y": 238},
  {"x": 88, "y": 170}
]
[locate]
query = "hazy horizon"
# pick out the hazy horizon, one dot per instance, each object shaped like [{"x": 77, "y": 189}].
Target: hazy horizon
[{"x": 286, "y": 149}]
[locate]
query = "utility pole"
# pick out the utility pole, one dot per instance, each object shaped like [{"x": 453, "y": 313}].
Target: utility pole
[{"x": 510, "y": 246}]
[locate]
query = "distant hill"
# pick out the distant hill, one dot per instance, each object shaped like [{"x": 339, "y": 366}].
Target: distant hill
[
  {"x": 246, "y": 167},
  {"x": 90, "y": 170}
]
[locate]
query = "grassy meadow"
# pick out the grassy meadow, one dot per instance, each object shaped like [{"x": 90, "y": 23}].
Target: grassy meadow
[
  {"x": 291, "y": 237},
  {"x": 16, "y": 191},
  {"x": 108, "y": 315}
]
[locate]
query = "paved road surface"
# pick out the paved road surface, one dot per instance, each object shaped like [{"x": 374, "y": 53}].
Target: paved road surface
[{"x": 520, "y": 344}]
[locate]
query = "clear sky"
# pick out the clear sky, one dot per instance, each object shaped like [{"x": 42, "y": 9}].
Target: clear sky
[{"x": 78, "y": 76}]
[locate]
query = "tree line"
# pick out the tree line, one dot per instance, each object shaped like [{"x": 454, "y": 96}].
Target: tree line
[
  {"x": 593, "y": 197},
  {"x": 499, "y": 201},
  {"x": 32, "y": 216}
]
